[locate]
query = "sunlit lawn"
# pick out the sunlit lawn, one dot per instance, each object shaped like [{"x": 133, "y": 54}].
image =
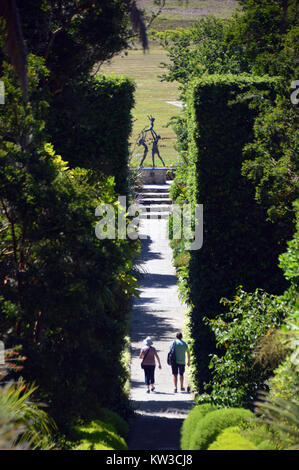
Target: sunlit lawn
[{"x": 183, "y": 13}]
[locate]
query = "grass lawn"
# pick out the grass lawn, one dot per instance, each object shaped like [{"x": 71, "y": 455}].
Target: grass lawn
[
  {"x": 151, "y": 97},
  {"x": 184, "y": 13}
]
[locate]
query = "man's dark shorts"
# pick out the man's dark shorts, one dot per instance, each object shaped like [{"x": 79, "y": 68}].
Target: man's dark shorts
[{"x": 178, "y": 368}]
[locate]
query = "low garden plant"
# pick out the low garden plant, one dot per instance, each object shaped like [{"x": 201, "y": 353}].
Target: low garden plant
[
  {"x": 231, "y": 439},
  {"x": 190, "y": 423},
  {"x": 238, "y": 375},
  {"x": 108, "y": 432},
  {"x": 210, "y": 425}
]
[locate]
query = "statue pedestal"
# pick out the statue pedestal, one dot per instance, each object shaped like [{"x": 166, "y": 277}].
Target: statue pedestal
[{"x": 153, "y": 175}]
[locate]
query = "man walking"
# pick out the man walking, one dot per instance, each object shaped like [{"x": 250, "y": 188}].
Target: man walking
[{"x": 181, "y": 348}]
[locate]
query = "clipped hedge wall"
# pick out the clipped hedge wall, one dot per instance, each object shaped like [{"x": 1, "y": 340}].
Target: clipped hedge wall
[
  {"x": 239, "y": 246},
  {"x": 190, "y": 423},
  {"x": 209, "y": 428},
  {"x": 90, "y": 124},
  {"x": 213, "y": 423}
]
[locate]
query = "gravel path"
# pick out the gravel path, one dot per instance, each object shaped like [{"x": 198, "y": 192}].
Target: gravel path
[{"x": 157, "y": 313}]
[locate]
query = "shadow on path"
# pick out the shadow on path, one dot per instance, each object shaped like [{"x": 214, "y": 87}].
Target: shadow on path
[
  {"x": 157, "y": 313},
  {"x": 144, "y": 322},
  {"x": 155, "y": 433},
  {"x": 173, "y": 407}
]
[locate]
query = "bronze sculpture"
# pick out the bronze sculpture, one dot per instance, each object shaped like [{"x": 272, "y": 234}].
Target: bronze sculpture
[
  {"x": 155, "y": 138},
  {"x": 155, "y": 150},
  {"x": 141, "y": 141}
]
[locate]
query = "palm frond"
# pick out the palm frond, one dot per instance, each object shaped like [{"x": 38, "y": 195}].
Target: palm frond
[
  {"x": 283, "y": 414},
  {"x": 31, "y": 423}
]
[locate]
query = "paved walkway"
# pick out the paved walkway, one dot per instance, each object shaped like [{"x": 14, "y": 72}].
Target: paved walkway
[{"x": 157, "y": 313}]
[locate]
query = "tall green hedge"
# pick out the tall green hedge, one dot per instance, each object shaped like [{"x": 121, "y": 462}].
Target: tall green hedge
[
  {"x": 90, "y": 124},
  {"x": 239, "y": 246}
]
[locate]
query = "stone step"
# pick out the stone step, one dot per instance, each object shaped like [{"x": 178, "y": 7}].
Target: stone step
[
  {"x": 154, "y": 215},
  {"x": 157, "y": 208},
  {"x": 155, "y": 188},
  {"x": 153, "y": 195},
  {"x": 156, "y": 201}
]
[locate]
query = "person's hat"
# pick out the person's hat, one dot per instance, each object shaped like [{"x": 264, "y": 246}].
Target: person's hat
[{"x": 148, "y": 341}]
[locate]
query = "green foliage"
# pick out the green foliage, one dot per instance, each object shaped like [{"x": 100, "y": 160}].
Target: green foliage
[
  {"x": 73, "y": 37},
  {"x": 211, "y": 425},
  {"x": 82, "y": 133},
  {"x": 238, "y": 132},
  {"x": 266, "y": 445},
  {"x": 280, "y": 406},
  {"x": 236, "y": 233},
  {"x": 23, "y": 422},
  {"x": 231, "y": 439},
  {"x": 190, "y": 423},
  {"x": 268, "y": 31},
  {"x": 81, "y": 286},
  {"x": 272, "y": 161},
  {"x": 201, "y": 49},
  {"x": 237, "y": 375},
  {"x": 253, "y": 435},
  {"x": 262, "y": 435},
  {"x": 64, "y": 294},
  {"x": 113, "y": 419},
  {"x": 263, "y": 29},
  {"x": 283, "y": 415},
  {"x": 289, "y": 261},
  {"x": 283, "y": 383},
  {"x": 99, "y": 435},
  {"x": 254, "y": 338},
  {"x": 269, "y": 351}
]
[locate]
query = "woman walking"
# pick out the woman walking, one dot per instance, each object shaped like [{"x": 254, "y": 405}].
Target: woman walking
[{"x": 148, "y": 354}]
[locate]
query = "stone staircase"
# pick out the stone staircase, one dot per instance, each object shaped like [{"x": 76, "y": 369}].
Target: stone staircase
[{"x": 155, "y": 201}]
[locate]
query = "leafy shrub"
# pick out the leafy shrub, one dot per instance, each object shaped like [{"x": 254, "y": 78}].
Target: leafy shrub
[
  {"x": 231, "y": 439},
  {"x": 280, "y": 406},
  {"x": 269, "y": 351},
  {"x": 282, "y": 415},
  {"x": 99, "y": 435},
  {"x": 210, "y": 426},
  {"x": 262, "y": 435},
  {"x": 81, "y": 286},
  {"x": 237, "y": 373},
  {"x": 266, "y": 445},
  {"x": 190, "y": 423},
  {"x": 182, "y": 259},
  {"x": 236, "y": 438},
  {"x": 284, "y": 381},
  {"x": 201, "y": 49}
]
